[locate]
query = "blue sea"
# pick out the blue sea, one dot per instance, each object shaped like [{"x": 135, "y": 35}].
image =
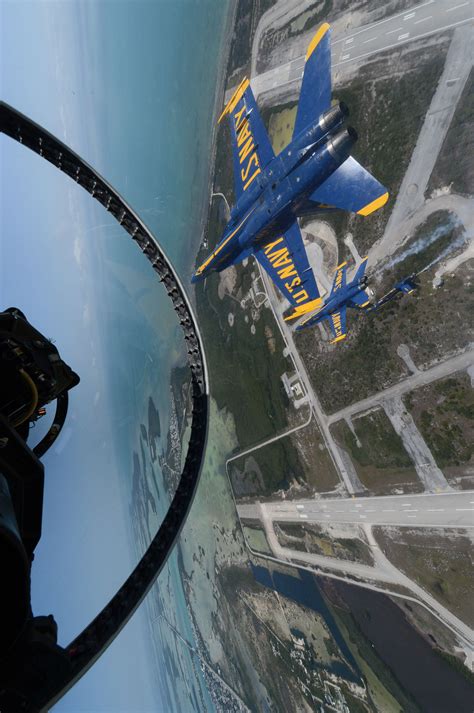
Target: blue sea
[{"x": 131, "y": 87}]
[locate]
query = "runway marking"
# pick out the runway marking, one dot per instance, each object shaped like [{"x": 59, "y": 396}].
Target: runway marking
[
  {"x": 348, "y": 42},
  {"x": 345, "y": 56},
  {"x": 371, "y": 39},
  {"x": 409, "y": 16},
  {"x": 438, "y": 510},
  {"x": 406, "y": 505},
  {"x": 393, "y": 31},
  {"x": 303, "y": 516},
  {"x": 358, "y": 506},
  {"x": 371, "y": 511},
  {"x": 411, "y": 515},
  {"x": 300, "y": 507},
  {"x": 388, "y": 47},
  {"x": 404, "y": 36},
  {"x": 387, "y": 19},
  {"x": 464, "y": 509},
  {"x": 423, "y": 19},
  {"x": 463, "y": 4},
  {"x": 388, "y": 510},
  {"x": 411, "y": 511}
]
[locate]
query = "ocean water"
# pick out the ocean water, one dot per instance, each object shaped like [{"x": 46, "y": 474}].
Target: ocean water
[{"x": 131, "y": 87}]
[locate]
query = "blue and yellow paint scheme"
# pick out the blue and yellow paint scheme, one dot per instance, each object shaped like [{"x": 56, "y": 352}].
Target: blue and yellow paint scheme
[
  {"x": 315, "y": 172},
  {"x": 342, "y": 296},
  {"x": 404, "y": 287}
]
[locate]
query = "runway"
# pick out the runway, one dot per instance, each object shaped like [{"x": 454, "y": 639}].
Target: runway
[
  {"x": 421, "y": 21},
  {"x": 426, "y": 510}
]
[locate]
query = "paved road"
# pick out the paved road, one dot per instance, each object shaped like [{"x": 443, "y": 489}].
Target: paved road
[
  {"x": 437, "y": 121},
  {"x": 421, "y": 378},
  {"x": 423, "y": 20},
  {"x": 343, "y": 465},
  {"x": 454, "y": 509},
  {"x": 404, "y": 425},
  {"x": 382, "y": 571}
]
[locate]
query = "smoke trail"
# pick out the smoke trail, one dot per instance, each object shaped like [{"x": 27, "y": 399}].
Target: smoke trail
[
  {"x": 423, "y": 243},
  {"x": 458, "y": 243}
]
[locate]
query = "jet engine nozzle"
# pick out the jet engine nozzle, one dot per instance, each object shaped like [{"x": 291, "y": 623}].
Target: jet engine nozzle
[
  {"x": 334, "y": 116},
  {"x": 340, "y": 144}
]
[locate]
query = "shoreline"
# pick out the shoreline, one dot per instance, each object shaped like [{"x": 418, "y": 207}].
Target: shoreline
[{"x": 223, "y": 62}]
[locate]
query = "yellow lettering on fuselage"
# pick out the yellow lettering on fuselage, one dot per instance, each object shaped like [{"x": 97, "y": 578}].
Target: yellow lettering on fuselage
[
  {"x": 247, "y": 150},
  {"x": 268, "y": 248},
  {"x": 338, "y": 280},
  {"x": 336, "y": 321},
  {"x": 301, "y": 296},
  {"x": 253, "y": 161},
  {"x": 280, "y": 258}
]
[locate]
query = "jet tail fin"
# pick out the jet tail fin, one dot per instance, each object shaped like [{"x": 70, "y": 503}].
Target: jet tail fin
[{"x": 360, "y": 270}]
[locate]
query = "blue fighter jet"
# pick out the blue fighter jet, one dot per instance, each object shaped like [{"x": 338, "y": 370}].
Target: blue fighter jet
[
  {"x": 406, "y": 286},
  {"x": 342, "y": 296},
  {"x": 356, "y": 295},
  {"x": 315, "y": 172}
]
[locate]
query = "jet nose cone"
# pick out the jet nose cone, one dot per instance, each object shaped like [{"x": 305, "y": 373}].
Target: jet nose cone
[{"x": 195, "y": 277}]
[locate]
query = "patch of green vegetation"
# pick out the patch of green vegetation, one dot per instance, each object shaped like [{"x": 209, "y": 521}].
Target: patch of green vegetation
[
  {"x": 246, "y": 20},
  {"x": 316, "y": 540},
  {"x": 378, "y": 454},
  {"x": 269, "y": 469},
  {"x": 245, "y": 374},
  {"x": 280, "y": 128},
  {"x": 454, "y": 165},
  {"x": 318, "y": 470},
  {"x": 274, "y": 37},
  {"x": 256, "y": 538},
  {"x": 438, "y": 560},
  {"x": 433, "y": 322},
  {"x": 444, "y": 413},
  {"x": 359, "y": 366}
]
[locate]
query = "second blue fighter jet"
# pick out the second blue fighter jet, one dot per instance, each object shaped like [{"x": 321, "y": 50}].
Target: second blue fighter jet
[{"x": 315, "y": 172}]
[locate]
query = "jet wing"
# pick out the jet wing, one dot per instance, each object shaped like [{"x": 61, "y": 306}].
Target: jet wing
[
  {"x": 339, "y": 278},
  {"x": 251, "y": 147},
  {"x": 351, "y": 188},
  {"x": 337, "y": 320},
  {"x": 315, "y": 96},
  {"x": 360, "y": 301},
  {"x": 285, "y": 260}
]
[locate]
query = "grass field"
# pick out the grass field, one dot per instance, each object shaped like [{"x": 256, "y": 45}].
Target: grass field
[
  {"x": 444, "y": 413},
  {"x": 440, "y": 560},
  {"x": 378, "y": 454},
  {"x": 319, "y": 540}
]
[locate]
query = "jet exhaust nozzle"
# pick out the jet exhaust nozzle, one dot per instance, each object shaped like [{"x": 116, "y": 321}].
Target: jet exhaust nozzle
[
  {"x": 334, "y": 116},
  {"x": 340, "y": 144}
]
